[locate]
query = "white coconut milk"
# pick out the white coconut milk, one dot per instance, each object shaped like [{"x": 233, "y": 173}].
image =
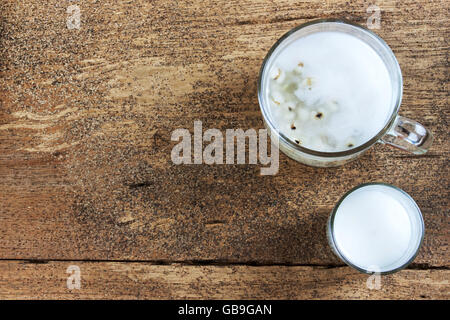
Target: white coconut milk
[{"x": 329, "y": 91}]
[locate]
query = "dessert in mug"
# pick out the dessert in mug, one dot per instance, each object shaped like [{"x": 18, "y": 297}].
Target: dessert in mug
[
  {"x": 329, "y": 91},
  {"x": 377, "y": 227}
]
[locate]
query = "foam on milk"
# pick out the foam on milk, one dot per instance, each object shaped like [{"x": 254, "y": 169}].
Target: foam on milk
[
  {"x": 377, "y": 225},
  {"x": 329, "y": 91}
]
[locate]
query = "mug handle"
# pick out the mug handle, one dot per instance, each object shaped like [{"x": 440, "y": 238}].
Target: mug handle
[{"x": 409, "y": 135}]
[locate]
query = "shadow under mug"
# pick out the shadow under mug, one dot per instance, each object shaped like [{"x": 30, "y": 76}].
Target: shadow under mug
[{"x": 398, "y": 131}]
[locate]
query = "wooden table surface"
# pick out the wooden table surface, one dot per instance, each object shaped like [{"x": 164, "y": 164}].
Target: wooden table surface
[{"x": 86, "y": 177}]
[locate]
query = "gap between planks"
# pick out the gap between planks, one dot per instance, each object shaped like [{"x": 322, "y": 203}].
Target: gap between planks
[{"x": 215, "y": 263}]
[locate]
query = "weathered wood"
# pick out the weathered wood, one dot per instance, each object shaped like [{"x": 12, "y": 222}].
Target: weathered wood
[
  {"x": 86, "y": 117},
  {"x": 120, "y": 280}
]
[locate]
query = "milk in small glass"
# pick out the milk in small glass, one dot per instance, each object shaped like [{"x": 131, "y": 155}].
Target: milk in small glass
[{"x": 376, "y": 228}]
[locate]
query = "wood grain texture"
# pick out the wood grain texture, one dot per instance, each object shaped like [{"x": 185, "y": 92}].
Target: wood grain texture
[
  {"x": 86, "y": 117},
  {"x": 127, "y": 280}
]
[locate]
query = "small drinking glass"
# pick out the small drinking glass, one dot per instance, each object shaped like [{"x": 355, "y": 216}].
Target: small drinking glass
[{"x": 340, "y": 246}]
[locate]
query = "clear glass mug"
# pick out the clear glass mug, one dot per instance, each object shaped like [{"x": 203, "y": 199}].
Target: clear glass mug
[{"x": 398, "y": 131}]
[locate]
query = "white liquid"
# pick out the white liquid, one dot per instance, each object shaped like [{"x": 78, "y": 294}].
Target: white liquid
[
  {"x": 377, "y": 227},
  {"x": 329, "y": 91}
]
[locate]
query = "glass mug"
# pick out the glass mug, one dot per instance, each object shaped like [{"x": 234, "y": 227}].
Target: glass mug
[{"x": 398, "y": 131}]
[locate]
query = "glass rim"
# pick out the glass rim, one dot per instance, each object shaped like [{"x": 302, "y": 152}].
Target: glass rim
[
  {"x": 337, "y": 154},
  {"x": 330, "y": 228}
]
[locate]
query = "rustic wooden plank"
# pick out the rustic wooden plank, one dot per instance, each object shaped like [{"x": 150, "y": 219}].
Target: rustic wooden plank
[
  {"x": 115, "y": 280},
  {"x": 86, "y": 117}
]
